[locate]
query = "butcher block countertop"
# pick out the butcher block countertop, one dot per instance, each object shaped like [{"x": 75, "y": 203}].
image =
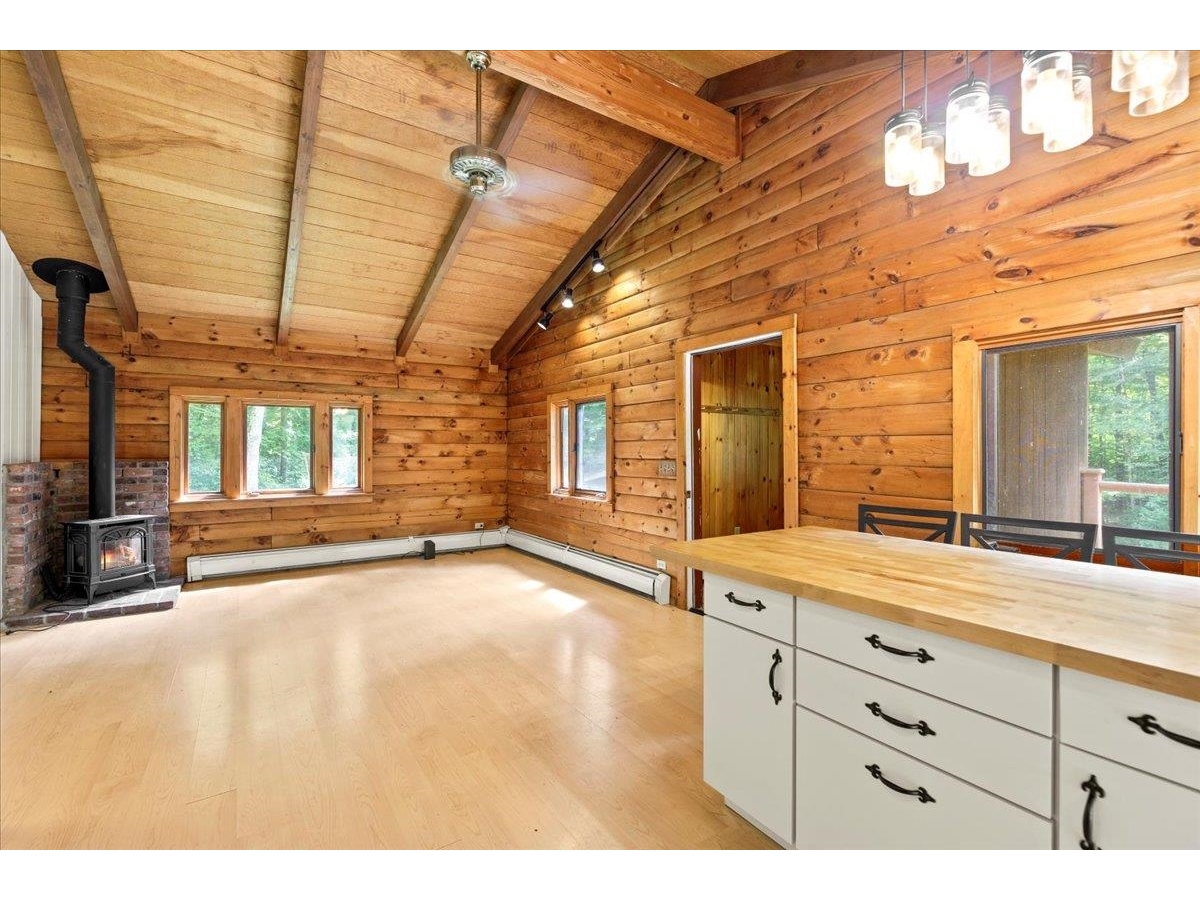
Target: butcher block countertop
[{"x": 1129, "y": 625}]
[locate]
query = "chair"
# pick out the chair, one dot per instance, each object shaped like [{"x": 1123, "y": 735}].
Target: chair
[
  {"x": 933, "y": 524},
  {"x": 1015, "y": 535},
  {"x": 1123, "y": 544}
]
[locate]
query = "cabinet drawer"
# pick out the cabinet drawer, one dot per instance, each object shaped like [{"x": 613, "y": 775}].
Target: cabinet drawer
[
  {"x": 840, "y": 804},
  {"x": 748, "y": 710},
  {"x": 759, "y": 609},
  {"x": 1136, "y": 812},
  {"x": 1095, "y": 716},
  {"x": 1009, "y": 687},
  {"x": 1001, "y": 758}
]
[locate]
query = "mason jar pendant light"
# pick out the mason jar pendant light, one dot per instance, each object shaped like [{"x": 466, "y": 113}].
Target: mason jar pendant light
[
  {"x": 966, "y": 117},
  {"x": 929, "y": 175},
  {"x": 1074, "y": 126},
  {"x": 1155, "y": 79},
  {"x": 1046, "y": 90},
  {"x": 994, "y": 152},
  {"x": 901, "y": 140}
]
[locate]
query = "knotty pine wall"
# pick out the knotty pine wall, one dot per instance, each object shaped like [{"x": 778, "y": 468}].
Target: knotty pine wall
[
  {"x": 439, "y": 423},
  {"x": 878, "y": 279}
]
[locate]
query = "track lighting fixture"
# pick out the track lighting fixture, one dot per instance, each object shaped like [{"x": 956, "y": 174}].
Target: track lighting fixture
[
  {"x": 598, "y": 265},
  {"x": 544, "y": 322},
  {"x": 568, "y": 298}
]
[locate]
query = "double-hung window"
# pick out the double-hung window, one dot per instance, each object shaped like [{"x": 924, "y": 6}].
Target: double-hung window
[
  {"x": 581, "y": 444},
  {"x": 244, "y": 446}
]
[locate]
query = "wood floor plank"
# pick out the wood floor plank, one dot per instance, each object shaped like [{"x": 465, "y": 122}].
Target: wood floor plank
[{"x": 485, "y": 700}]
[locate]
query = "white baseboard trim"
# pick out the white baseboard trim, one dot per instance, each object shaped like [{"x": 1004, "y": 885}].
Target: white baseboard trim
[{"x": 647, "y": 582}]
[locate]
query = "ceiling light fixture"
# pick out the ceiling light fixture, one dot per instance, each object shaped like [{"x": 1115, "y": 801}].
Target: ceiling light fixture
[
  {"x": 1074, "y": 125},
  {"x": 598, "y": 265},
  {"x": 901, "y": 140},
  {"x": 484, "y": 171},
  {"x": 993, "y": 153},
  {"x": 1155, "y": 79},
  {"x": 929, "y": 172},
  {"x": 568, "y": 298},
  {"x": 1046, "y": 91},
  {"x": 544, "y": 322},
  {"x": 966, "y": 117}
]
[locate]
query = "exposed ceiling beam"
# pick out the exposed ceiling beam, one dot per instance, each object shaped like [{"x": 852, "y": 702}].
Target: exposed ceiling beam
[
  {"x": 46, "y": 74},
  {"x": 506, "y": 136},
  {"x": 314, "y": 74},
  {"x": 642, "y": 202},
  {"x": 603, "y": 82},
  {"x": 643, "y": 176},
  {"x": 795, "y": 70}
]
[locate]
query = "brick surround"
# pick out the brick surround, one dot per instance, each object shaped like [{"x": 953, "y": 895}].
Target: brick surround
[{"x": 40, "y": 496}]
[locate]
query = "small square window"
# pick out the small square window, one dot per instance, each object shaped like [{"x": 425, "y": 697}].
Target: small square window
[{"x": 581, "y": 444}]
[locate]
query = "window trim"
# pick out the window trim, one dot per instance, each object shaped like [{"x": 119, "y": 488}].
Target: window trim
[
  {"x": 233, "y": 424},
  {"x": 571, "y": 400},
  {"x": 1072, "y": 320}
]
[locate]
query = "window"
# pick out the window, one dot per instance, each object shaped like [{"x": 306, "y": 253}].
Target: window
[
  {"x": 581, "y": 442},
  {"x": 1084, "y": 429},
  {"x": 1077, "y": 414},
  {"x": 246, "y": 447}
]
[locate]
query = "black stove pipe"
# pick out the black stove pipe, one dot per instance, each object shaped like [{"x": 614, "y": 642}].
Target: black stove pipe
[{"x": 74, "y": 283}]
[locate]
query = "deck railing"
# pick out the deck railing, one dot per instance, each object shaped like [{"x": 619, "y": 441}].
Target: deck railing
[{"x": 1093, "y": 487}]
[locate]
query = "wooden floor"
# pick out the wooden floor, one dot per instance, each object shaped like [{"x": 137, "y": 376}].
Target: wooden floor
[{"x": 482, "y": 700}]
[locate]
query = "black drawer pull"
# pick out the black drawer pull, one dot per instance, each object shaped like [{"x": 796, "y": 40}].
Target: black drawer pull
[
  {"x": 1092, "y": 786},
  {"x": 920, "y": 727},
  {"x": 776, "y": 661},
  {"x": 757, "y": 604},
  {"x": 920, "y": 793},
  {"x": 920, "y": 654},
  {"x": 1150, "y": 725}
]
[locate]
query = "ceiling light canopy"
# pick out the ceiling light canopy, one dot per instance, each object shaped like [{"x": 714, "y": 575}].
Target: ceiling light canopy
[{"x": 481, "y": 169}]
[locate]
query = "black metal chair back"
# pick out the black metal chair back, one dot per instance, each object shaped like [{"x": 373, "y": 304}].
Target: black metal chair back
[
  {"x": 1136, "y": 545},
  {"x": 1066, "y": 539},
  {"x": 930, "y": 524}
]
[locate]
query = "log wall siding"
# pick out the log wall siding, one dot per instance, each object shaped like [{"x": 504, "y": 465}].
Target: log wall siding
[
  {"x": 439, "y": 425},
  {"x": 804, "y": 224}
]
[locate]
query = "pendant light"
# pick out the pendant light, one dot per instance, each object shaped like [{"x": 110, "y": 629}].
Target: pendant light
[
  {"x": 1046, "y": 90},
  {"x": 929, "y": 175},
  {"x": 1074, "y": 126},
  {"x": 1155, "y": 79},
  {"x": 994, "y": 152},
  {"x": 966, "y": 117},
  {"x": 901, "y": 140}
]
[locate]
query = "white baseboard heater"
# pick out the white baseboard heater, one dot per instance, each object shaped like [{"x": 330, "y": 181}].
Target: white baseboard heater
[{"x": 647, "y": 582}]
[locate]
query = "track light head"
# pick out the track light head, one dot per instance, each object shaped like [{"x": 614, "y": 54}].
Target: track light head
[
  {"x": 544, "y": 322},
  {"x": 568, "y": 298},
  {"x": 598, "y": 265}
]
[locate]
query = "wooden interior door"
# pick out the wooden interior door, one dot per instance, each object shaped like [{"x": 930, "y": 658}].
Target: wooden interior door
[{"x": 737, "y": 451}]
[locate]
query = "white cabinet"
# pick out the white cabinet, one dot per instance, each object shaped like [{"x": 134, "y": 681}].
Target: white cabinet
[
  {"x": 759, "y": 609},
  {"x": 1145, "y": 729},
  {"x": 1119, "y": 808},
  {"x": 855, "y": 793},
  {"x": 748, "y": 709},
  {"x": 996, "y": 756},
  {"x": 1010, "y": 687}
]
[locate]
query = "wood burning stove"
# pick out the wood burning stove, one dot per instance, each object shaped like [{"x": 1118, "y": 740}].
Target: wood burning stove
[{"x": 110, "y": 554}]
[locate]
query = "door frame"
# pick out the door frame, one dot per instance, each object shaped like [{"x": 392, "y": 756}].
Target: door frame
[{"x": 783, "y": 327}]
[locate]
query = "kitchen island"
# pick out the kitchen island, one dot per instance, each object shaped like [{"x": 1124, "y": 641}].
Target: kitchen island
[{"x": 868, "y": 691}]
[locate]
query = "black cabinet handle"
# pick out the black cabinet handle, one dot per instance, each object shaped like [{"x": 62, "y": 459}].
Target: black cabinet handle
[
  {"x": 1150, "y": 725},
  {"x": 920, "y": 654},
  {"x": 1092, "y": 786},
  {"x": 757, "y": 604},
  {"x": 920, "y": 793},
  {"x": 920, "y": 727},
  {"x": 776, "y": 661}
]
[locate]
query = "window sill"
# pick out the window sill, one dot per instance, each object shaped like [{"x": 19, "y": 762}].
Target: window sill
[
  {"x": 583, "y": 498},
  {"x": 268, "y": 500}
]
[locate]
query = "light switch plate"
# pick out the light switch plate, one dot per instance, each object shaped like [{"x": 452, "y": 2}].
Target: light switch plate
[
  {"x": 666, "y": 468},
  {"x": 661, "y": 565}
]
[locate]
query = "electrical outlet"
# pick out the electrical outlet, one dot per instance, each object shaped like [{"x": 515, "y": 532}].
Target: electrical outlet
[
  {"x": 661, "y": 565},
  {"x": 479, "y": 526}
]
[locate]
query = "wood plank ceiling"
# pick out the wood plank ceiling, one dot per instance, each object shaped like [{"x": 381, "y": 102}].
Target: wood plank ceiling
[{"x": 194, "y": 155}]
